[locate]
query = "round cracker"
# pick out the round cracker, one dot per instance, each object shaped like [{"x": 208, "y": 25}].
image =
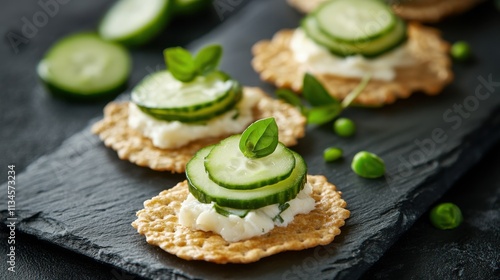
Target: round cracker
[
  {"x": 131, "y": 145},
  {"x": 422, "y": 10},
  {"x": 275, "y": 62},
  {"x": 159, "y": 223}
]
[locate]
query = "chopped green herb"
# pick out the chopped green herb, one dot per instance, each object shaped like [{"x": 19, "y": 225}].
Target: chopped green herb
[
  {"x": 282, "y": 208},
  {"x": 260, "y": 139},
  {"x": 446, "y": 216},
  {"x": 236, "y": 115}
]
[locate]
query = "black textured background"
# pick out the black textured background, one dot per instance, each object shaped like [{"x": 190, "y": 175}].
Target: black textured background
[{"x": 67, "y": 197}]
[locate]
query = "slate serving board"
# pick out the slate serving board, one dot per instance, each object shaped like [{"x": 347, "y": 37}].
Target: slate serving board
[{"x": 84, "y": 198}]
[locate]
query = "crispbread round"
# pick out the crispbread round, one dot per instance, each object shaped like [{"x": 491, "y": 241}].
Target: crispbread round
[
  {"x": 421, "y": 10},
  {"x": 131, "y": 145},
  {"x": 275, "y": 62},
  {"x": 158, "y": 222}
]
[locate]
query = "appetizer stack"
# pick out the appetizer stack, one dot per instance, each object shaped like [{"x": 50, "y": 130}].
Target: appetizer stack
[
  {"x": 245, "y": 198},
  {"x": 341, "y": 41},
  {"x": 175, "y": 113}
]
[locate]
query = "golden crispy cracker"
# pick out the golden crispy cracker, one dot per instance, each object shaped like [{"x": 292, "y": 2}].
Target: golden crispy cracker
[
  {"x": 158, "y": 222},
  {"x": 131, "y": 145},
  {"x": 432, "y": 71},
  {"x": 421, "y": 10}
]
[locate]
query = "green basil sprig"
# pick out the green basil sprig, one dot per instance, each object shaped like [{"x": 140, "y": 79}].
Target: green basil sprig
[
  {"x": 185, "y": 68},
  {"x": 324, "y": 107},
  {"x": 260, "y": 139}
]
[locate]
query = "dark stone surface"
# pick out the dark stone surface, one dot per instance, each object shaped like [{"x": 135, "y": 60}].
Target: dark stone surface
[
  {"x": 83, "y": 198},
  {"x": 471, "y": 251}
]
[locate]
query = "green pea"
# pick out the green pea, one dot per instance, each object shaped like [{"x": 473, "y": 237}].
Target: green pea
[
  {"x": 332, "y": 154},
  {"x": 446, "y": 216},
  {"x": 461, "y": 51},
  {"x": 368, "y": 165},
  {"x": 344, "y": 127}
]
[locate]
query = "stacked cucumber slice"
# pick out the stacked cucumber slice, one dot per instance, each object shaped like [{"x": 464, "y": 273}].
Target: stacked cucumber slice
[
  {"x": 163, "y": 97},
  {"x": 350, "y": 27},
  {"x": 222, "y": 174}
]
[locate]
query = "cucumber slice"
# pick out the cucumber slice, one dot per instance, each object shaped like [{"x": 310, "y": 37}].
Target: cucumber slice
[
  {"x": 226, "y": 211},
  {"x": 190, "y": 7},
  {"x": 85, "y": 67},
  {"x": 355, "y": 20},
  {"x": 135, "y": 22},
  {"x": 228, "y": 167},
  {"x": 206, "y": 191},
  {"x": 163, "y": 97},
  {"x": 369, "y": 49}
]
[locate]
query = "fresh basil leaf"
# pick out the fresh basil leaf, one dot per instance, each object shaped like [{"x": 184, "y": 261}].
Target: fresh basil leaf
[
  {"x": 289, "y": 97},
  {"x": 323, "y": 114},
  {"x": 208, "y": 59},
  {"x": 181, "y": 64},
  {"x": 315, "y": 93},
  {"x": 260, "y": 139}
]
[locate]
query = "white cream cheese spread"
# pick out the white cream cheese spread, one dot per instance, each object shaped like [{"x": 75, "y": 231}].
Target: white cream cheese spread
[
  {"x": 203, "y": 216},
  {"x": 318, "y": 59},
  {"x": 174, "y": 134}
]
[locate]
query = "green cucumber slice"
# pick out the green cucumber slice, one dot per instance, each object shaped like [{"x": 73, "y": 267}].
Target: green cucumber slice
[
  {"x": 162, "y": 91},
  {"x": 228, "y": 167},
  {"x": 355, "y": 20},
  {"x": 163, "y": 97},
  {"x": 369, "y": 49},
  {"x": 85, "y": 67},
  {"x": 189, "y": 7},
  {"x": 135, "y": 22},
  {"x": 206, "y": 191},
  {"x": 226, "y": 211}
]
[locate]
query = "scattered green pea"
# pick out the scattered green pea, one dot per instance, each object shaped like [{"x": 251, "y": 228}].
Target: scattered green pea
[
  {"x": 446, "y": 216},
  {"x": 344, "y": 127},
  {"x": 368, "y": 165},
  {"x": 332, "y": 154},
  {"x": 461, "y": 51}
]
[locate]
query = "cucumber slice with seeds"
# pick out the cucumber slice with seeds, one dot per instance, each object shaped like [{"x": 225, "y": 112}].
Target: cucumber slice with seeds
[
  {"x": 135, "y": 22},
  {"x": 163, "y": 97},
  {"x": 230, "y": 168},
  {"x": 369, "y": 49},
  {"x": 85, "y": 67},
  {"x": 355, "y": 20},
  {"x": 206, "y": 191}
]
